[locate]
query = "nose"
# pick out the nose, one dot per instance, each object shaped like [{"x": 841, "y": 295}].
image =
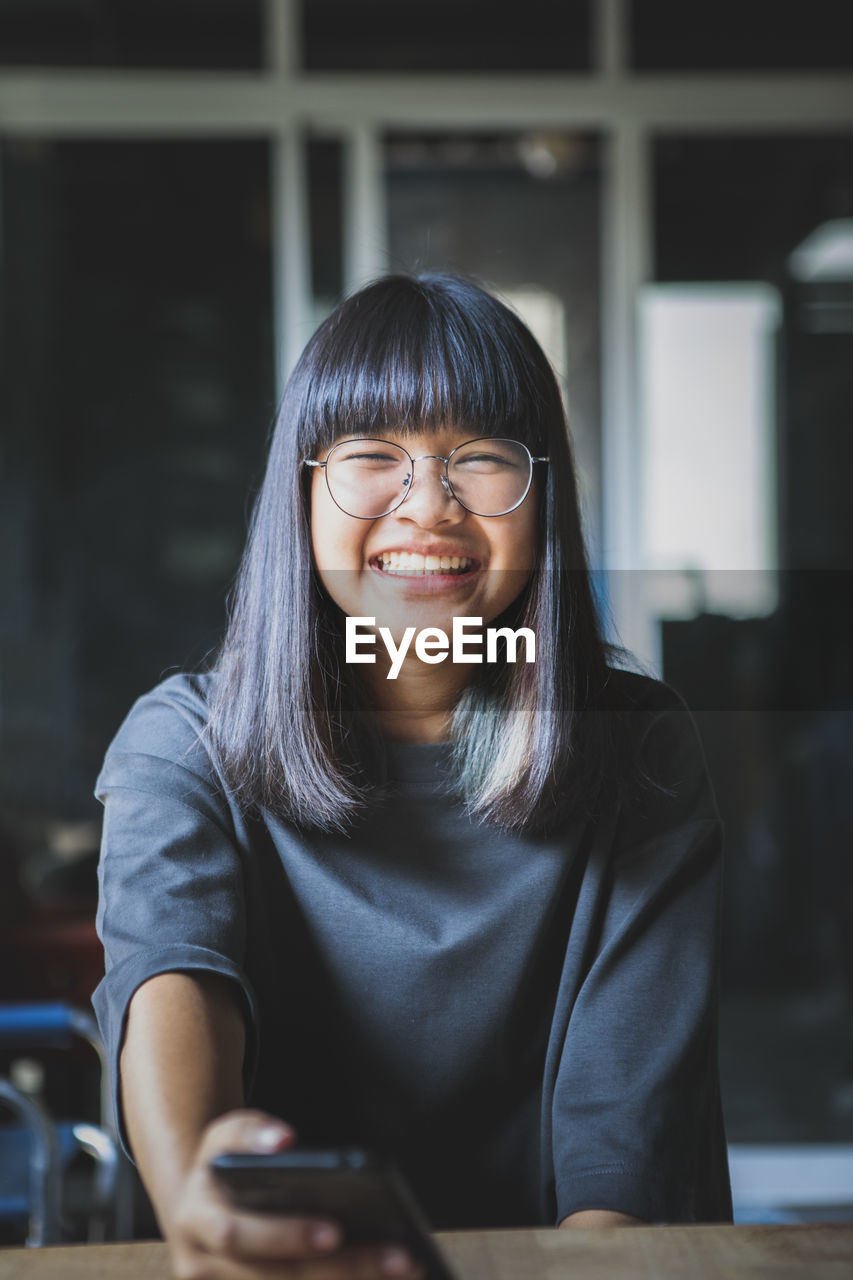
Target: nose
[{"x": 426, "y": 502}]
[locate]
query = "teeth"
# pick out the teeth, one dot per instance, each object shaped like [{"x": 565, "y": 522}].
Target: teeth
[{"x": 413, "y": 562}]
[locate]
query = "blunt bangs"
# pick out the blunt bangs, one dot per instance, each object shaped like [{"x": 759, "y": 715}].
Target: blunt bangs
[{"x": 407, "y": 355}]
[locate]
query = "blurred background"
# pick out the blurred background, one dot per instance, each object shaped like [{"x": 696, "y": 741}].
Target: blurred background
[{"x": 665, "y": 192}]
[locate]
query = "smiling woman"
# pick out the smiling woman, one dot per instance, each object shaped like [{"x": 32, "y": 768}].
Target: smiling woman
[
  {"x": 467, "y": 916},
  {"x": 435, "y": 399}
]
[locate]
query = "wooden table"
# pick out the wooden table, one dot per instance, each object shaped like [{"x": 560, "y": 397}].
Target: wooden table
[{"x": 615, "y": 1253}]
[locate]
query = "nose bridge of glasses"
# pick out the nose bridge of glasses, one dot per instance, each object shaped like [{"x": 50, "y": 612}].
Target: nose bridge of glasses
[{"x": 442, "y": 475}]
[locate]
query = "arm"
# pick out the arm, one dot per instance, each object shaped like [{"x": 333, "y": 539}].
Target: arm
[
  {"x": 636, "y": 1113},
  {"x": 181, "y": 1087},
  {"x": 171, "y": 905},
  {"x": 178, "y": 1013},
  {"x": 181, "y": 1066}
]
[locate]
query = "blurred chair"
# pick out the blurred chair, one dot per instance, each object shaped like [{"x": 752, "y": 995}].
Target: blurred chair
[
  {"x": 30, "y": 1168},
  {"x": 37, "y": 1151}
]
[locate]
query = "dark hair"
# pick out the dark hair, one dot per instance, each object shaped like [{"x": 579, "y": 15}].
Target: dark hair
[{"x": 289, "y": 725}]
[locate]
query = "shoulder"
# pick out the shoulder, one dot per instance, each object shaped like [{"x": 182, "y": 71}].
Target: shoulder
[
  {"x": 630, "y": 690},
  {"x": 663, "y": 760},
  {"x": 645, "y": 703},
  {"x": 181, "y": 699},
  {"x": 166, "y": 725}
]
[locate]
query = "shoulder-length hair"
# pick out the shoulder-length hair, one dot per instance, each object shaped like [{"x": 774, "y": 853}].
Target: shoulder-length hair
[{"x": 290, "y": 726}]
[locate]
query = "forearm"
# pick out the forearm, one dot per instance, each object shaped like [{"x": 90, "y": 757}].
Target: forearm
[{"x": 181, "y": 1067}]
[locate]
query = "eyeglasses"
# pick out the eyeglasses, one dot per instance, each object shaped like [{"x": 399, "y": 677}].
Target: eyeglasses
[{"x": 368, "y": 478}]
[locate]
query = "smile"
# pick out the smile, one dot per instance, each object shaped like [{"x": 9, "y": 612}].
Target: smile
[{"x": 411, "y": 563}]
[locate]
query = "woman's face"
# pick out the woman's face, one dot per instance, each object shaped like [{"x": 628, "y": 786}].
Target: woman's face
[{"x": 354, "y": 557}]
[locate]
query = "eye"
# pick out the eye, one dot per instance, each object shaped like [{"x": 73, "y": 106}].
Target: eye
[
  {"x": 373, "y": 459},
  {"x": 484, "y": 461}
]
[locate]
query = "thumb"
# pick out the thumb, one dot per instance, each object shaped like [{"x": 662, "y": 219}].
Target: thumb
[{"x": 249, "y": 1131}]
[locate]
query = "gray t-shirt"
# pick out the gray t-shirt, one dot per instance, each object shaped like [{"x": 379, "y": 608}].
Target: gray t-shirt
[{"x": 527, "y": 1024}]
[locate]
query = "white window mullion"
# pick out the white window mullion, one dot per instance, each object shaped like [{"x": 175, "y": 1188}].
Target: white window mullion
[
  {"x": 290, "y": 223},
  {"x": 365, "y": 206},
  {"x": 96, "y": 101},
  {"x": 626, "y": 266},
  {"x": 610, "y": 37},
  {"x": 282, "y": 36},
  {"x": 291, "y": 251}
]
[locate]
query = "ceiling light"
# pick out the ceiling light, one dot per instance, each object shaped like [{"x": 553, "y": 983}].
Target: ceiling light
[{"x": 825, "y": 254}]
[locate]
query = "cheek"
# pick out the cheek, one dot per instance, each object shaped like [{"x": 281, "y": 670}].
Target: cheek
[
  {"x": 530, "y": 534},
  {"x": 520, "y": 542},
  {"x": 316, "y": 516},
  {"x": 334, "y": 541}
]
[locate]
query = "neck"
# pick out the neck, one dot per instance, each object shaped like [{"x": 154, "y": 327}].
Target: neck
[{"x": 419, "y": 704}]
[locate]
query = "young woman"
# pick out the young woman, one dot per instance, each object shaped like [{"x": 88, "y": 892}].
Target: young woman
[{"x": 462, "y": 912}]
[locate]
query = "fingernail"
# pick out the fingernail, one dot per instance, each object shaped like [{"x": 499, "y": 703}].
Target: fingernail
[
  {"x": 396, "y": 1262},
  {"x": 271, "y": 1137},
  {"x": 325, "y": 1235}
]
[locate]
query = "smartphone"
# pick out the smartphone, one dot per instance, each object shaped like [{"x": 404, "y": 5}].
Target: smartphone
[{"x": 364, "y": 1193}]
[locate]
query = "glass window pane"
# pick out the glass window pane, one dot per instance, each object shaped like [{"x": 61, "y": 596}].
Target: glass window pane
[
  {"x": 734, "y": 208},
  {"x": 706, "y": 435},
  {"x": 137, "y": 334},
  {"x": 446, "y": 35},
  {"x": 752, "y": 200},
  {"x": 521, "y": 211},
  {"x": 131, "y": 33},
  {"x": 772, "y": 691},
  {"x": 740, "y": 35}
]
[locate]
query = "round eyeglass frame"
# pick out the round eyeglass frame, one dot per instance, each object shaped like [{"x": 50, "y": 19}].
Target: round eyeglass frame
[{"x": 445, "y": 478}]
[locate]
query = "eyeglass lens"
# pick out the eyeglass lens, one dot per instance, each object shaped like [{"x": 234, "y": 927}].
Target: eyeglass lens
[{"x": 369, "y": 478}]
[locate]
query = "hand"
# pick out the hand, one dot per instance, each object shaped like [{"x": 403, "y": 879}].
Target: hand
[{"x": 211, "y": 1240}]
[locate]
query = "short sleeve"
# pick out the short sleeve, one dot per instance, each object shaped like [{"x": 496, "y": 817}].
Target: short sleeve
[
  {"x": 170, "y": 873},
  {"x": 637, "y": 1121}
]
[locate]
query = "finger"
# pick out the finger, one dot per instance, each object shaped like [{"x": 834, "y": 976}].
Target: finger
[
  {"x": 353, "y": 1262},
  {"x": 198, "y": 1265},
  {"x": 362, "y": 1262},
  {"x": 256, "y": 1131},
  {"x": 260, "y": 1236},
  {"x": 195, "y": 1264},
  {"x": 386, "y": 1261},
  {"x": 341, "y": 1266}
]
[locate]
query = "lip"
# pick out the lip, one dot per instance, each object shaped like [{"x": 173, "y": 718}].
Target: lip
[{"x": 427, "y": 584}]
